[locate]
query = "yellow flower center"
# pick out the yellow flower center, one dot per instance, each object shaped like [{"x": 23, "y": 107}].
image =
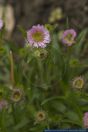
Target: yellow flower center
[
  {"x": 40, "y": 116},
  {"x": 16, "y": 96},
  {"x": 69, "y": 38},
  {"x": 38, "y": 36}
]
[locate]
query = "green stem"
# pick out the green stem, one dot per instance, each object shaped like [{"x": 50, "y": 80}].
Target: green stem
[
  {"x": 12, "y": 69},
  {"x": 40, "y": 66},
  {"x": 14, "y": 115},
  {"x": 3, "y": 127}
]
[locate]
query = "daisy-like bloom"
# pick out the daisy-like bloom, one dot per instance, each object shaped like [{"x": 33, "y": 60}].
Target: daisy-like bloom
[
  {"x": 16, "y": 95},
  {"x": 38, "y": 36},
  {"x": 78, "y": 82},
  {"x": 85, "y": 120},
  {"x": 3, "y": 104},
  {"x": 1, "y": 23},
  {"x": 40, "y": 116},
  {"x": 68, "y": 36}
]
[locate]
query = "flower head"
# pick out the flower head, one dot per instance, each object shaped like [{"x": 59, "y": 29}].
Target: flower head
[
  {"x": 78, "y": 82},
  {"x": 1, "y": 23},
  {"x": 68, "y": 36},
  {"x": 85, "y": 120},
  {"x": 3, "y": 104},
  {"x": 38, "y": 36},
  {"x": 16, "y": 95},
  {"x": 37, "y": 53},
  {"x": 40, "y": 116},
  {"x": 41, "y": 53}
]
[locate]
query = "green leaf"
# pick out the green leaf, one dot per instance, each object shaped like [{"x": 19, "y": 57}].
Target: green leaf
[
  {"x": 23, "y": 122},
  {"x": 80, "y": 41},
  {"x": 51, "y": 99},
  {"x": 59, "y": 106},
  {"x": 72, "y": 116}
]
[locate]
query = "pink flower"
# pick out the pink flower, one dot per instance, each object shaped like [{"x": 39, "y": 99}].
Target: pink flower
[
  {"x": 38, "y": 36},
  {"x": 85, "y": 120},
  {"x": 1, "y": 23},
  {"x": 68, "y": 36},
  {"x": 3, "y": 104}
]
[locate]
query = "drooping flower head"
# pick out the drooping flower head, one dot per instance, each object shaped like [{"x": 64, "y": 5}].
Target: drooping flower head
[
  {"x": 41, "y": 53},
  {"x": 78, "y": 82},
  {"x": 16, "y": 95},
  {"x": 38, "y": 36},
  {"x": 85, "y": 120},
  {"x": 1, "y": 23},
  {"x": 3, "y": 104},
  {"x": 68, "y": 36}
]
